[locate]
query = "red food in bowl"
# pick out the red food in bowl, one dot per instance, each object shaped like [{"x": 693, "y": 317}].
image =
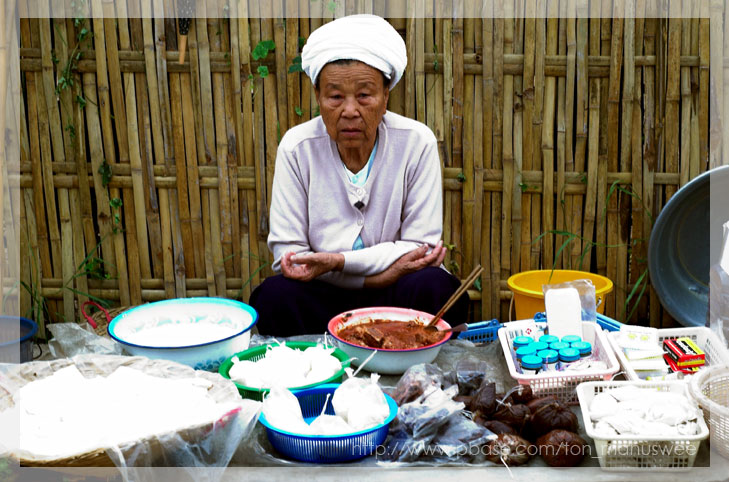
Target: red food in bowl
[
  {"x": 387, "y": 360},
  {"x": 395, "y": 335}
]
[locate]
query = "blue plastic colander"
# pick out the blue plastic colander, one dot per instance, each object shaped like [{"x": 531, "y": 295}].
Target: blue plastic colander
[{"x": 327, "y": 449}]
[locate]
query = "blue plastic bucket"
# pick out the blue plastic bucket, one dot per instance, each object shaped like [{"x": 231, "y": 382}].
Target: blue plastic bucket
[{"x": 16, "y": 339}]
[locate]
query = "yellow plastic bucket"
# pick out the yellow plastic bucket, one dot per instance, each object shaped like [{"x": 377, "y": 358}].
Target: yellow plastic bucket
[{"x": 527, "y": 288}]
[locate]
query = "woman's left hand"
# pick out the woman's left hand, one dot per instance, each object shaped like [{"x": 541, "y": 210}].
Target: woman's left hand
[{"x": 306, "y": 267}]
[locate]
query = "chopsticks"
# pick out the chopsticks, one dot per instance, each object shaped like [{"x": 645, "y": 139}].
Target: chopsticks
[{"x": 461, "y": 289}]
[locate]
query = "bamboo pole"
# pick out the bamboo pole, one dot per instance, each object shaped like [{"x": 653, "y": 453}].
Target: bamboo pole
[
  {"x": 260, "y": 149},
  {"x": 637, "y": 252},
  {"x": 716, "y": 61},
  {"x": 562, "y": 223},
  {"x": 272, "y": 124},
  {"x": 248, "y": 160},
  {"x": 507, "y": 151},
  {"x": 497, "y": 159},
  {"x": 420, "y": 63},
  {"x": 51, "y": 146},
  {"x": 408, "y": 79},
  {"x": 457, "y": 133},
  {"x": 305, "y": 88},
  {"x": 537, "y": 121},
  {"x": 624, "y": 201},
  {"x": 488, "y": 309},
  {"x": 144, "y": 136},
  {"x": 547, "y": 144},
  {"x": 279, "y": 37},
  {"x": 601, "y": 212},
  {"x": 448, "y": 86},
  {"x": 164, "y": 28},
  {"x": 581, "y": 82},
  {"x": 705, "y": 62},
  {"x": 40, "y": 257},
  {"x": 517, "y": 215},
  {"x": 232, "y": 160},
  {"x": 476, "y": 233},
  {"x": 613, "y": 222},
  {"x": 570, "y": 222},
  {"x": 467, "y": 141},
  {"x": 63, "y": 146},
  {"x": 84, "y": 235},
  {"x": 202, "y": 116},
  {"x": 158, "y": 144},
  {"x": 673, "y": 96},
  {"x": 126, "y": 212},
  {"x": 685, "y": 85},
  {"x": 112, "y": 243},
  {"x": 223, "y": 238},
  {"x": 593, "y": 139},
  {"x": 695, "y": 152},
  {"x": 438, "y": 95},
  {"x": 649, "y": 153},
  {"x": 293, "y": 93},
  {"x": 530, "y": 39}
]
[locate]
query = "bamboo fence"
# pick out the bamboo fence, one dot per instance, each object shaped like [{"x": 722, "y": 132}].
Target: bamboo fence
[{"x": 147, "y": 179}]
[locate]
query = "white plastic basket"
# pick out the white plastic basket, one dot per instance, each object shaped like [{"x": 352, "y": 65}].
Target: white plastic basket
[
  {"x": 710, "y": 388},
  {"x": 648, "y": 453},
  {"x": 560, "y": 384},
  {"x": 716, "y": 352}
]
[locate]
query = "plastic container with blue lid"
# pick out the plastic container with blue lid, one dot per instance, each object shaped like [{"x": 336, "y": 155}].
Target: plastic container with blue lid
[
  {"x": 531, "y": 364},
  {"x": 550, "y": 357},
  {"x": 558, "y": 345},
  {"x": 571, "y": 339},
  {"x": 548, "y": 339},
  {"x": 585, "y": 348},
  {"x": 567, "y": 356},
  {"x": 539, "y": 345},
  {"x": 525, "y": 351},
  {"x": 521, "y": 341}
]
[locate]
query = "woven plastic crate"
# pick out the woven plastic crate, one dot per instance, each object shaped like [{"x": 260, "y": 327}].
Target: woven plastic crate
[
  {"x": 481, "y": 332},
  {"x": 258, "y": 352},
  {"x": 710, "y": 388},
  {"x": 327, "y": 449},
  {"x": 716, "y": 352},
  {"x": 644, "y": 453},
  {"x": 560, "y": 384}
]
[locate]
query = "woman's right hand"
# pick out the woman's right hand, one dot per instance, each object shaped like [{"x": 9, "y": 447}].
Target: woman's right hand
[
  {"x": 306, "y": 267},
  {"x": 409, "y": 262}
]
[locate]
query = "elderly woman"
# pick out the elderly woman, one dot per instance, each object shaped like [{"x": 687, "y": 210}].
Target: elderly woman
[{"x": 356, "y": 209}]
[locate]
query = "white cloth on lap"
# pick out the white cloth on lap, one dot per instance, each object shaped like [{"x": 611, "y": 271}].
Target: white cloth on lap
[{"x": 367, "y": 38}]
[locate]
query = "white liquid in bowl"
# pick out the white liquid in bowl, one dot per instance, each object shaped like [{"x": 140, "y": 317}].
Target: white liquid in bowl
[{"x": 180, "y": 334}]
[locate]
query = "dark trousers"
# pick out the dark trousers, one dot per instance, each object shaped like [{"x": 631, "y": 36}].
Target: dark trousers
[{"x": 289, "y": 307}]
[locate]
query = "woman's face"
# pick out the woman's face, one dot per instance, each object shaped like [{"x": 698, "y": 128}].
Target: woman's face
[{"x": 352, "y": 100}]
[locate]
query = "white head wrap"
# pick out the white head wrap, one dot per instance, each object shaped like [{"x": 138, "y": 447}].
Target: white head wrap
[{"x": 367, "y": 38}]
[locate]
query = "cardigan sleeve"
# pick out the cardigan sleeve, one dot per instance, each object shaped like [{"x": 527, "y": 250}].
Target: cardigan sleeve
[
  {"x": 289, "y": 222},
  {"x": 422, "y": 218}
]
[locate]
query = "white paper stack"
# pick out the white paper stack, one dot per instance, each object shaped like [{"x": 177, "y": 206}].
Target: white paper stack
[{"x": 643, "y": 351}]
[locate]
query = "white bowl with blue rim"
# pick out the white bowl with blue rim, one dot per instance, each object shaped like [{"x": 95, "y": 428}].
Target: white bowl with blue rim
[{"x": 198, "y": 332}]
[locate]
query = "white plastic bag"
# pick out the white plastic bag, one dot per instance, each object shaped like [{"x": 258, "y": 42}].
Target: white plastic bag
[{"x": 360, "y": 402}]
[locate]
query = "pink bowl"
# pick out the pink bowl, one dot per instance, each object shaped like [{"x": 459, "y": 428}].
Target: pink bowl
[{"x": 386, "y": 361}]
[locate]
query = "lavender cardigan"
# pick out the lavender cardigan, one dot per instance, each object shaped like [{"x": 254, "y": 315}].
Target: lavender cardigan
[{"x": 314, "y": 207}]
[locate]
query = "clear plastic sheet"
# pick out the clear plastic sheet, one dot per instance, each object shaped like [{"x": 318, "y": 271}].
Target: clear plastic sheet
[
  {"x": 586, "y": 290},
  {"x": 70, "y": 339},
  {"x": 718, "y": 319},
  {"x": 210, "y": 445}
]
